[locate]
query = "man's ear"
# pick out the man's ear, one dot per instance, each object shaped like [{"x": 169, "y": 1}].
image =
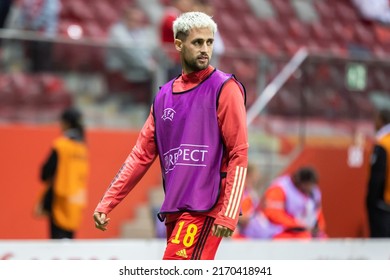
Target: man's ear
[{"x": 178, "y": 44}]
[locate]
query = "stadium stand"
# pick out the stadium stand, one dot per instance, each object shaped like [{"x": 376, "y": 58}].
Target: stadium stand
[
  {"x": 23, "y": 97},
  {"x": 271, "y": 28}
]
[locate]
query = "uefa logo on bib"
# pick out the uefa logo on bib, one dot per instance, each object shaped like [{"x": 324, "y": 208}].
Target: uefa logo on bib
[{"x": 169, "y": 113}]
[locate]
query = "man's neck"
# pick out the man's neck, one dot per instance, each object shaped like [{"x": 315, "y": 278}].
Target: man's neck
[
  {"x": 191, "y": 80},
  {"x": 197, "y": 75}
]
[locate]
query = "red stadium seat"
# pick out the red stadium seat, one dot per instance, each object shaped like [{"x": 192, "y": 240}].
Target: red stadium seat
[
  {"x": 7, "y": 96},
  {"x": 345, "y": 12},
  {"x": 105, "y": 13},
  {"x": 246, "y": 42},
  {"x": 275, "y": 29},
  {"x": 79, "y": 10},
  {"x": 320, "y": 32},
  {"x": 325, "y": 10},
  {"x": 165, "y": 2},
  {"x": 379, "y": 51},
  {"x": 283, "y": 8},
  {"x": 342, "y": 32},
  {"x": 325, "y": 40},
  {"x": 382, "y": 34},
  {"x": 64, "y": 12},
  {"x": 252, "y": 25},
  {"x": 381, "y": 79},
  {"x": 237, "y": 6},
  {"x": 246, "y": 69},
  {"x": 93, "y": 30},
  {"x": 298, "y": 30},
  {"x": 218, "y": 4},
  {"x": 228, "y": 21},
  {"x": 291, "y": 46},
  {"x": 364, "y": 34},
  {"x": 269, "y": 47}
]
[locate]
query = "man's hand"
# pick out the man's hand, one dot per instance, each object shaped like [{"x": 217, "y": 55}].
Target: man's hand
[
  {"x": 221, "y": 231},
  {"x": 39, "y": 211},
  {"x": 101, "y": 220}
]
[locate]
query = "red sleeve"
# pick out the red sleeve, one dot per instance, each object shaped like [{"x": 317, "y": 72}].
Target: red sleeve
[
  {"x": 274, "y": 201},
  {"x": 232, "y": 122},
  {"x": 133, "y": 169}
]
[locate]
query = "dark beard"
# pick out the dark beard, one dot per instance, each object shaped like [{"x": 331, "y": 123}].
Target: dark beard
[{"x": 194, "y": 66}]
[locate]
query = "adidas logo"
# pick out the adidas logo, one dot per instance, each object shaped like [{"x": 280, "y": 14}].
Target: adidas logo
[{"x": 182, "y": 253}]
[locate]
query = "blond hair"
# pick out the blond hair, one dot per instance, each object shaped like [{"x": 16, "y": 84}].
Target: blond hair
[{"x": 187, "y": 21}]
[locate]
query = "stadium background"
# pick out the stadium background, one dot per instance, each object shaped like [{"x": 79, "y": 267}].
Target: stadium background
[{"x": 320, "y": 115}]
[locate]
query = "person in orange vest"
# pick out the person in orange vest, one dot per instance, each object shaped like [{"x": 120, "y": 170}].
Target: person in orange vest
[
  {"x": 378, "y": 192},
  {"x": 290, "y": 208},
  {"x": 65, "y": 175}
]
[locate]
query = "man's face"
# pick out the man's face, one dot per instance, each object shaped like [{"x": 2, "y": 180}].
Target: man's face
[
  {"x": 306, "y": 187},
  {"x": 196, "y": 49},
  {"x": 134, "y": 18}
]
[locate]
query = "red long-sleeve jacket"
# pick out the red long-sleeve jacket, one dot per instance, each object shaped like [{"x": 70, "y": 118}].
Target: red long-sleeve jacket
[{"x": 232, "y": 123}]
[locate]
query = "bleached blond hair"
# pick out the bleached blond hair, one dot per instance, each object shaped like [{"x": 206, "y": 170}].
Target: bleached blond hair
[{"x": 187, "y": 21}]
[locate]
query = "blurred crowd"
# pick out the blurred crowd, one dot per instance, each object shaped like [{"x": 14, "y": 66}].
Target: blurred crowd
[
  {"x": 128, "y": 53},
  {"x": 131, "y": 46},
  {"x": 131, "y": 37}
]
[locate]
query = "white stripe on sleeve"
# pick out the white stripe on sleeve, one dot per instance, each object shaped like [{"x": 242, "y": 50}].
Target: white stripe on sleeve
[{"x": 236, "y": 193}]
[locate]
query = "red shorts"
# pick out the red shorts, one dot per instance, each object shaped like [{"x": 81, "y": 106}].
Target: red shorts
[{"x": 190, "y": 238}]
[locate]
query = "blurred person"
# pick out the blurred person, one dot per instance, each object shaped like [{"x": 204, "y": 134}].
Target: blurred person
[
  {"x": 377, "y": 10},
  {"x": 219, "y": 46},
  {"x": 5, "y": 6},
  {"x": 40, "y": 16},
  {"x": 197, "y": 127},
  {"x": 378, "y": 193},
  {"x": 250, "y": 199},
  {"x": 132, "y": 46},
  {"x": 65, "y": 175},
  {"x": 290, "y": 208},
  {"x": 171, "y": 12}
]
